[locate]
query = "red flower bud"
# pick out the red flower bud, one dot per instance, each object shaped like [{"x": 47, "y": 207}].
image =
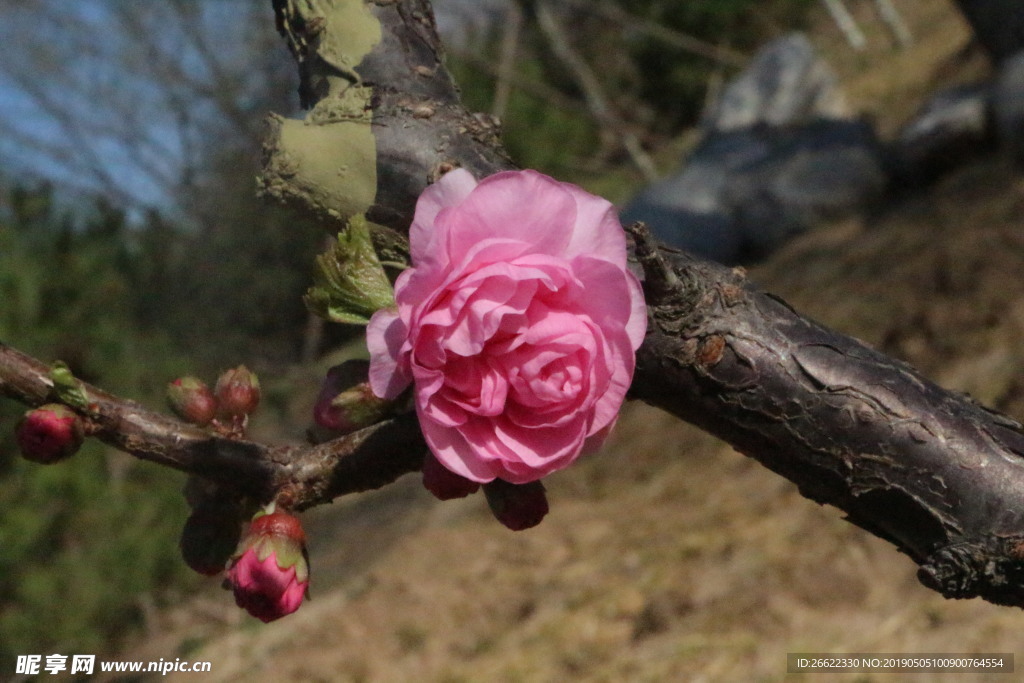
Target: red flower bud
[
  {"x": 349, "y": 410},
  {"x": 209, "y": 538},
  {"x": 444, "y": 483},
  {"x": 192, "y": 400},
  {"x": 517, "y": 506},
  {"x": 269, "y": 572},
  {"x": 237, "y": 392},
  {"x": 49, "y": 434}
]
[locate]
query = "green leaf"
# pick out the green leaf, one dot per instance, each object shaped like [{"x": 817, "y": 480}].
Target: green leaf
[
  {"x": 68, "y": 389},
  {"x": 349, "y": 283}
]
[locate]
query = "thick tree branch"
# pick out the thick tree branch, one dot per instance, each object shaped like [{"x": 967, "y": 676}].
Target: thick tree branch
[
  {"x": 936, "y": 474},
  {"x": 927, "y": 469}
]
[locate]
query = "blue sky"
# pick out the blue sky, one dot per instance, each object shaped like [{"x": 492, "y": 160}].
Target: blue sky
[{"x": 88, "y": 100}]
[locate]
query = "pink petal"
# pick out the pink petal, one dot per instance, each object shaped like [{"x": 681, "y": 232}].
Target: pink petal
[
  {"x": 612, "y": 298},
  {"x": 292, "y": 597},
  {"x": 476, "y": 387},
  {"x": 542, "y": 450},
  {"x": 453, "y": 450},
  {"x": 622, "y": 363},
  {"x": 597, "y": 231},
  {"x": 385, "y": 336},
  {"x": 636, "y": 328},
  {"x": 241, "y": 572},
  {"x": 561, "y": 329},
  {"x": 270, "y": 580},
  {"x": 522, "y": 205},
  {"x": 425, "y": 242},
  {"x": 444, "y": 412}
]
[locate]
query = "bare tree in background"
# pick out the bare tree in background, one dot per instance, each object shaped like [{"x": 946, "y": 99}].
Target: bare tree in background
[{"x": 124, "y": 98}]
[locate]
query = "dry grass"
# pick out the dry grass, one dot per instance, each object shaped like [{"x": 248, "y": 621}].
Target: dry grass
[
  {"x": 669, "y": 557},
  {"x": 888, "y": 84}
]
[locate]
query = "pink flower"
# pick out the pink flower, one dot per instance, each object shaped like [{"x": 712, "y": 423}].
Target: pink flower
[
  {"x": 269, "y": 573},
  {"x": 517, "y": 324}
]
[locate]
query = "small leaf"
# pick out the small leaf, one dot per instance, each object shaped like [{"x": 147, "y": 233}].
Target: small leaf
[
  {"x": 67, "y": 388},
  {"x": 349, "y": 283}
]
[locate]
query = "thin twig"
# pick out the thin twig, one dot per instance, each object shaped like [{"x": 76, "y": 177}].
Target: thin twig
[
  {"x": 584, "y": 76},
  {"x": 507, "y": 59},
  {"x": 846, "y": 23}
]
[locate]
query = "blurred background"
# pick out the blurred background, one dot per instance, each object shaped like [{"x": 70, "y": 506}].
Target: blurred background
[{"x": 132, "y": 246}]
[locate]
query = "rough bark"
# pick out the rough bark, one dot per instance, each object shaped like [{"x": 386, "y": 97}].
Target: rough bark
[
  {"x": 936, "y": 474},
  {"x": 924, "y": 468}
]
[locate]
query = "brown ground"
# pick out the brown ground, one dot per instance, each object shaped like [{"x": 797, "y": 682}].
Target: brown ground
[{"x": 669, "y": 556}]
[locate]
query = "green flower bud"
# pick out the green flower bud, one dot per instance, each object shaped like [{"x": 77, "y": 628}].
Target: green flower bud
[{"x": 346, "y": 404}]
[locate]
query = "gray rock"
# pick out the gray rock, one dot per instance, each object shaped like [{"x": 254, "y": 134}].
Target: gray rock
[
  {"x": 1008, "y": 105},
  {"x": 776, "y": 158},
  {"x": 997, "y": 24},
  {"x": 745, "y": 193},
  {"x": 711, "y": 234},
  {"x": 816, "y": 172},
  {"x": 786, "y": 83},
  {"x": 951, "y": 127},
  {"x": 688, "y": 210}
]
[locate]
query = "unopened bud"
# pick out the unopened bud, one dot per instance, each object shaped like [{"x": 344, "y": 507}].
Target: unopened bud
[
  {"x": 444, "y": 483},
  {"x": 49, "y": 434},
  {"x": 209, "y": 538},
  {"x": 237, "y": 392},
  {"x": 517, "y": 506},
  {"x": 349, "y": 410},
  {"x": 269, "y": 572},
  {"x": 192, "y": 400}
]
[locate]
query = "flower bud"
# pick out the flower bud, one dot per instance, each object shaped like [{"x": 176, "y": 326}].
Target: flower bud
[
  {"x": 209, "y": 538},
  {"x": 192, "y": 400},
  {"x": 444, "y": 483},
  {"x": 237, "y": 392},
  {"x": 517, "y": 506},
  {"x": 49, "y": 434},
  {"x": 269, "y": 572},
  {"x": 349, "y": 410}
]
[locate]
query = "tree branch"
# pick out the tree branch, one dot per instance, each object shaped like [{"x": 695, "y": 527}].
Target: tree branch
[
  {"x": 298, "y": 476},
  {"x": 604, "y": 114},
  {"x": 932, "y": 472}
]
